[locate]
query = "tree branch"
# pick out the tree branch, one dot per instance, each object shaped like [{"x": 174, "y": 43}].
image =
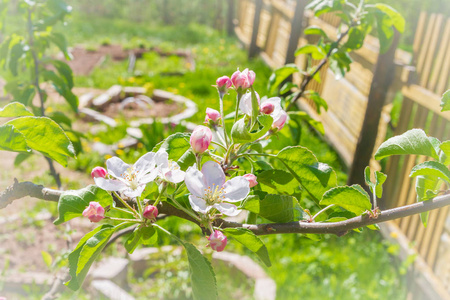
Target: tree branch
[{"x": 22, "y": 189}]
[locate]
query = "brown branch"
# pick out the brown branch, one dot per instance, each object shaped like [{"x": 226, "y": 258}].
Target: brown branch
[
  {"x": 342, "y": 227},
  {"x": 23, "y": 189}
]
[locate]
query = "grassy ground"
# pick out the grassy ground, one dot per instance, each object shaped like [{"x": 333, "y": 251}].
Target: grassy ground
[{"x": 356, "y": 266}]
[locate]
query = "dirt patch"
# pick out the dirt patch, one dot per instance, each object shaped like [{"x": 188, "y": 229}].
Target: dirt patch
[{"x": 157, "y": 110}]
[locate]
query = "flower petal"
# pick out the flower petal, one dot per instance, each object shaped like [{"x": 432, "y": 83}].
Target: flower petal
[
  {"x": 144, "y": 164},
  {"x": 227, "y": 209},
  {"x": 213, "y": 175},
  {"x": 276, "y": 101},
  {"x": 109, "y": 184},
  {"x": 194, "y": 181},
  {"x": 134, "y": 193},
  {"x": 236, "y": 189},
  {"x": 162, "y": 159},
  {"x": 116, "y": 167},
  {"x": 246, "y": 104},
  {"x": 175, "y": 176},
  {"x": 198, "y": 204},
  {"x": 149, "y": 177}
]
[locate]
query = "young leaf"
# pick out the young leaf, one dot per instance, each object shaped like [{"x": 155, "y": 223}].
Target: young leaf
[
  {"x": 250, "y": 241},
  {"x": 240, "y": 133},
  {"x": 202, "y": 275},
  {"x": 445, "y": 101},
  {"x": 414, "y": 141},
  {"x": 351, "y": 198},
  {"x": 377, "y": 186},
  {"x": 424, "y": 187},
  {"x": 44, "y": 135},
  {"x": 12, "y": 139},
  {"x": 275, "y": 208},
  {"x": 445, "y": 147},
  {"x": 315, "y": 30},
  {"x": 299, "y": 116},
  {"x": 319, "y": 101},
  {"x": 133, "y": 240},
  {"x": 316, "y": 51},
  {"x": 149, "y": 236},
  {"x": 280, "y": 75},
  {"x": 87, "y": 250},
  {"x": 72, "y": 203},
  {"x": 14, "y": 109},
  {"x": 176, "y": 145},
  {"x": 48, "y": 259},
  {"x": 431, "y": 169},
  {"x": 314, "y": 177},
  {"x": 279, "y": 180},
  {"x": 397, "y": 19}
]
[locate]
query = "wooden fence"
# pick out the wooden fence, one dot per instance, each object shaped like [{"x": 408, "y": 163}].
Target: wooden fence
[{"x": 270, "y": 27}]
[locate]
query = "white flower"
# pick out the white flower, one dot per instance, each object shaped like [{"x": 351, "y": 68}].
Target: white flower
[
  {"x": 210, "y": 189},
  {"x": 130, "y": 180},
  {"x": 168, "y": 170}
]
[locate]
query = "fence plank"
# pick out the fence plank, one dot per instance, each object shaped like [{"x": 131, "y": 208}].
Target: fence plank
[
  {"x": 439, "y": 69},
  {"x": 430, "y": 54},
  {"x": 296, "y": 31},
  {"x": 253, "y": 48},
  {"x": 423, "y": 50}
]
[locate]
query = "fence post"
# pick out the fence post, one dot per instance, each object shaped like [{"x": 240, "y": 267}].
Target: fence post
[
  {"x": 296, "y": 30},
  {"x": 382, "y": 79},
  {"x": 230, "y": 18},
  {"x": 253, "y": 48}
]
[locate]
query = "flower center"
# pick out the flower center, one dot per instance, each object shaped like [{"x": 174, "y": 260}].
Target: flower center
[
  {"x": 131, "y": 177},
  {"x": 214, "y": 195}
]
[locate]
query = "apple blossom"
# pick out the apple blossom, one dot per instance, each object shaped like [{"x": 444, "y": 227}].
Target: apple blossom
[
  {"x": 246, "y": 103},
  {"x": 129, "y": 180},
  {"x": 217, "y": 241},
  {"x": 168, "y": 170},
  {"x": 150, "y": 212},
  {"x": 210, "y": 190},
  {"x": 212, "y": 115},
  {"x": 98, "y": 172},
  {"x": 243, "y": 79},
  {"x": 251, "y": 179},
  {"x": 94, "y": 212},
  {"x": 279, "y": 120},
  {"x": 200, "y": 139}
]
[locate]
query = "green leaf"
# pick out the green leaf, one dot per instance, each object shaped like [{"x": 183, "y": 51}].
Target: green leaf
[
  {"x": 12, "y": 139},
  {"x": 202, "y": 275},
  {"x": 445, "y": 101},
  {"x": 149, "y": 236},
  {"x": 44, "y": 135},
  {"x": 64, "y": 71},
  {"x": 431, "y": 168},
  {"x": 314, "y": 177},
  {"x": 414, "y": 141},
  {"x": 255, "y": 107},
  {"x": 445, "y": 147},
  {"x": 250, "y": 241},
  {"x": 60, "y": 41},
  {"x": 21, "y": 157},
  {"x": 397, "y": 19},
  {"x": 275, "y": 208},
  {"x": 87, "y": 250},
  {"x": 280, "y": 75},
  {"x": 47, "y": 258},
  {"x": 240, "y": 132},
  {"x": 71, "y": 204},
  {"x": 319, "y": 101},
  {"x": 287, "y": 87},
  {"x": 62, "y": 87},
  {"x": 315, "y": 30},
  {"x": 316, "y": 51},
  {"x": 133, "y": 240},
  {"x": 351, "y": 198},
  {"x": 377, "y": 186},
  {"x": 279, "y": 180},
  {"x": 14, "y": 109},
  {"x": 425, "y": 187},
  {"x": 60, "y": 118},
  {"x": 176, "y": 145}
]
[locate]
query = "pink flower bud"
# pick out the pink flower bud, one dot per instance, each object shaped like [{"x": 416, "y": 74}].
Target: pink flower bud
[
  {"x": 217, "y": 241},
  {"x": 94, "y": 212},
  {"x": 251, "y": 179},
  {"x": 243, "y": 79},
  {"x": 212, "y": 115},
  {"x": 200, "y": 139},
  {"x": 98, "y": 172},
  {"x": 267, "y": 108},
  {"x": 223, "y": 83},
  {"x": 150, "y": 212},
  {"x": 279, "y": 120}
]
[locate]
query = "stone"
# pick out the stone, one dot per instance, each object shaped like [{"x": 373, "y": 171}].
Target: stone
[
  {"x": 111, "y": 268},
  {"x": 110, "y": 290},
  {"x": 160, "y": 95},
  {"x": 85, "y": 100},
  {"x": 92, "y": 115},
  {"x": 131, "y": 91}
]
